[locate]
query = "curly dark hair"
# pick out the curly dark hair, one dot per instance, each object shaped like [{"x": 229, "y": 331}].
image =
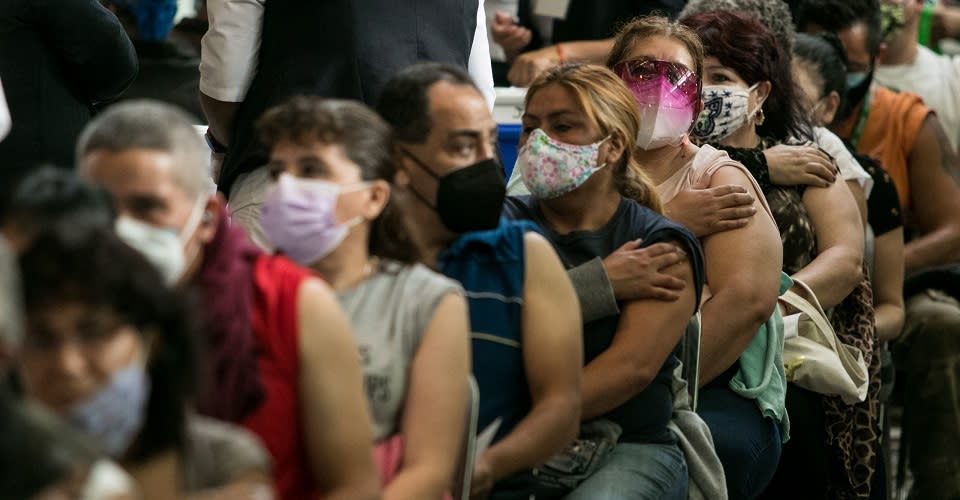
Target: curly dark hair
[
  {"x": 98, "y": 270},
  {"x": 747, "y": 47},
  {"x": 365, "y": 138}
]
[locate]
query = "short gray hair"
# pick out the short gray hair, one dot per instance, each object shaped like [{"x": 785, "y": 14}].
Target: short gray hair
[
  {"x": 11, "y": 299},
  {"x": 774, "y": 14},
  {"x": 145, "y": 124}
]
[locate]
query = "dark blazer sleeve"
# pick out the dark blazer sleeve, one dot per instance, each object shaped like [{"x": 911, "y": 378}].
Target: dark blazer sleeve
[{"x": 91, "y": 46}]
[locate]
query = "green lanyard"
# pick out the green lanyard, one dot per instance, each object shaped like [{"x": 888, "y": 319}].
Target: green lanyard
[{"x": 862, "y": 121}]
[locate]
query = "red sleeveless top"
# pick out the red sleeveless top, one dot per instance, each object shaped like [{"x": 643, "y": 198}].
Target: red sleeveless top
[{"x": 278, "y": 419}]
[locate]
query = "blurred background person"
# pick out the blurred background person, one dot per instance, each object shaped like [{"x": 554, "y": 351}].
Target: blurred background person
[
  {"x": 332, "y": 208},
  {"x": 261, "y": 315},
  {"x": 79, "y": 57}
]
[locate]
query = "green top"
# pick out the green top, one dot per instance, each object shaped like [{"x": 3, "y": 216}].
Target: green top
[{"x": 761, "y": 376}]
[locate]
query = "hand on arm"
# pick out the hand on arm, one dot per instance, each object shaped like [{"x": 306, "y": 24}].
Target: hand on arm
[
  {"x": 936, "y": 200},
  {"x": 646, "y": 335},
  {"x": 838, "y": 266},
  {"x": 799, "y": 165},
  {"x": 436, "y": 405},
  {"x": 640, "y": 273},
  {"x": 508, "y": 35},
  {"x": 337, "y": 430},
  {"x": 705, "y": 209},
  {"x": 888, "y": 284},
  {"x": 553, "y": 355},
  {"x": 743, "y": 271}
]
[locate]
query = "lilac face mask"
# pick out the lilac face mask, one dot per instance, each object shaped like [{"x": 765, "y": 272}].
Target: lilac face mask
[{"x": 298, "y": 217}]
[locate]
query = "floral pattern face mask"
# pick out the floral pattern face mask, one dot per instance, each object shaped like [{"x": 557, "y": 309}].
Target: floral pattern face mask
[{"x": 551, "y": 168}]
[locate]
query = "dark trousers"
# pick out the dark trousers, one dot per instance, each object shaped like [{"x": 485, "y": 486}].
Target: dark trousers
[
  {"x": 747, "y": 443},
  {"x": 803, "y": 469}
]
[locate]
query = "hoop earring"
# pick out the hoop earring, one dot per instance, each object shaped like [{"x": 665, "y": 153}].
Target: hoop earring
[{"x": 760, "y": 117}]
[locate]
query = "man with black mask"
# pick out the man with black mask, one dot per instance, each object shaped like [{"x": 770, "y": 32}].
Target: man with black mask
[
  {"x": 908, "y": 140},
  {"x": 524, "y": 314}
]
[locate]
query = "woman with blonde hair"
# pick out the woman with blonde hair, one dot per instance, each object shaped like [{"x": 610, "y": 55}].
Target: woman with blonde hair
[{"x": 590, "y": 197}]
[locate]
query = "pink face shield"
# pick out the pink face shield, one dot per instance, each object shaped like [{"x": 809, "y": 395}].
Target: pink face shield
[{"x": 660, "y": 83}]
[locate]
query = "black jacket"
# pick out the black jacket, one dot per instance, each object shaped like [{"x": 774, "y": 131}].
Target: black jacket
[
  {"x": 595, "y": 20},
  {"x": 58, "y": 59},
  {"x": 346, "y": 49}
]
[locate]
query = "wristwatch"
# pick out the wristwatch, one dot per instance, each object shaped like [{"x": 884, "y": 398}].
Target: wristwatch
[{"x": 215, "y": 145}]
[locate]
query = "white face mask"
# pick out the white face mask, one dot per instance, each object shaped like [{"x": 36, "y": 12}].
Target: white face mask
[
  {"x": 163, "y": 247},
  {"x": 662, "y": 126},
  {"x": 5, "y": 121}
]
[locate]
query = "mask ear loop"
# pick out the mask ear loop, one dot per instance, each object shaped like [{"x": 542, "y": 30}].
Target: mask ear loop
[
  {"x": 597, "y": 145},
  {"x": 193, "y": 222},
  {"x": 353, "y": 188}
]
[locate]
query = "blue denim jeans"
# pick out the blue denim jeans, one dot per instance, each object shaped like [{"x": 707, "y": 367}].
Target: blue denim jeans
[
  {"x": 638, "y": 471},
  {"x": 747, "y": 443}
]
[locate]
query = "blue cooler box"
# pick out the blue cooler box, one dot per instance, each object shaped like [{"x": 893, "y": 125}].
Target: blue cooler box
[
  {"x": 507, "y": 111},
  {"x": 508, "y": 139}
]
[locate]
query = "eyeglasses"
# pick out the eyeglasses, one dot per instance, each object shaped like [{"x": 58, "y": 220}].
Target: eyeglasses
[{"x": 646, "y": 69}]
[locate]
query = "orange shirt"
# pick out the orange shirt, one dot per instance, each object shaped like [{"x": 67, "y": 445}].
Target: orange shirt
[{"x": 890, "y": 134}]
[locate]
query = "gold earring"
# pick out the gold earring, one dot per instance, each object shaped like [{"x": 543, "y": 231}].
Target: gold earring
[{"x": 760, "y": 117}]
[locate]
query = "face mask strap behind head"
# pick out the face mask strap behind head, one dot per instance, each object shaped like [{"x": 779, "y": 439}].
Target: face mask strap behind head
[{"x": 423, "y": 166}]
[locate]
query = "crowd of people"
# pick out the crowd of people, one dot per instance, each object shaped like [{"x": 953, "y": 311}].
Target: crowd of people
[{"x": 332, "y": 290}]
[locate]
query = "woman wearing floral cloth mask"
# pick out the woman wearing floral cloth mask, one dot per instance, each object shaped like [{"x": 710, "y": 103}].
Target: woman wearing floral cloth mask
[
  {"x": 579, "y": 130},
  {"x": 661, "y": 61},
  {"x": 751, "y": 104},
  {"x": 331, "y": 209}
]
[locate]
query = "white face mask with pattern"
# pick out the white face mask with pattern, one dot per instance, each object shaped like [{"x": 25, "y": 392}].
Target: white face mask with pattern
[{"x": 725, "y": 110}]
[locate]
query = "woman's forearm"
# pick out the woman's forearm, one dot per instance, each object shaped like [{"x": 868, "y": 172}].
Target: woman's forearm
[
  {"x": 833, "y": 275},
  {"x": 890, "y": 319},
  {"x": 588, "y": 51}
]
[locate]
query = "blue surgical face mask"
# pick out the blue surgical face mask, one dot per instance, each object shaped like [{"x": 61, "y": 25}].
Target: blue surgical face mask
[
  {"x": 114, "y": 415},
  {"x": 856, "y": 79}
]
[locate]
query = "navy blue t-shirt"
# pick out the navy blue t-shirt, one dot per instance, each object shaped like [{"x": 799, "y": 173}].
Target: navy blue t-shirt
[{"x": 644, "y": 417}]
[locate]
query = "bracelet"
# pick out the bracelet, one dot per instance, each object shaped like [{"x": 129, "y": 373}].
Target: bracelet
[{"x": 560, "y": 55}]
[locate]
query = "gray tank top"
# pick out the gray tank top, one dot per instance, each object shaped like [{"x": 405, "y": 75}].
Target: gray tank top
[{"x": 389, "y": 313}]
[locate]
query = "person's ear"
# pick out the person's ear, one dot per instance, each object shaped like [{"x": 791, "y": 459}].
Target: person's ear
[
  {"x": 379, "y": 197},
  {"x": 763, "y": 91},
  {"x": 213, "y": 210},
  {"x": 615, "y": 148},
  {"x": 402, "y": 164},
  {"x": 830, "y": 107}
]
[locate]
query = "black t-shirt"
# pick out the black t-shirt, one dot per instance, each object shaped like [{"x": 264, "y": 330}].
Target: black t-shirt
[
  {"x": 883, "y": 206},
  {"x": 645, "y": 416}
]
